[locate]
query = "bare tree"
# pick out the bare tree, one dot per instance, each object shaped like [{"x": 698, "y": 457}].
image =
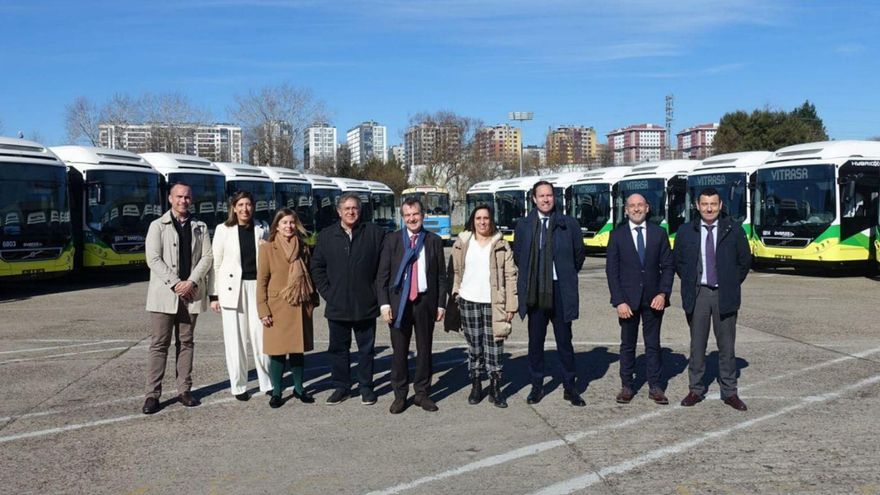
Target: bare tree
[
  {"x": 174, "y": 120},
  {"x": 266, "y": 113},
  {"x": 81, "y": 119},
  {"x": 450, "y": 161}
]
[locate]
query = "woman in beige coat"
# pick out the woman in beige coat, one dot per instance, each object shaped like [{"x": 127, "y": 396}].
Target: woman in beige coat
[
  {"x": 485, "y": 287},
  {"x": 286, "y": 299}
]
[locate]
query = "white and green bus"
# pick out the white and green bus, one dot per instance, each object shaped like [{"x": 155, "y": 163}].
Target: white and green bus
[
  {"x": 664, "y": 185},
  {"x": 114, "y": 195},
  {"x": 733, "y": 176},
  {"x": 816, "y": 204},
  {"x": 245, "y": 177},
  {"x": 513, "y": 202},
  {"x": 591, "y": 205},
  {"x": 35, "y": 229},
  {"x": 562, "y": 183},
  {"x": 294, "y": 191},
  {"x": 383, "y": 205},
  {"x": 325, "y": 193},
  {"x": 481, "y": 193},
  {"x": 208, "y": 184}
]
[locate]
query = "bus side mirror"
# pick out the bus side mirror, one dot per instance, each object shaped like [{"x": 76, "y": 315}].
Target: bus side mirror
[{"x": 96, "y": 192}]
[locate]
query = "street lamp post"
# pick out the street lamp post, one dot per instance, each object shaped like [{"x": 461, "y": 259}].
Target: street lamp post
[{"x": 520, "y": 117}]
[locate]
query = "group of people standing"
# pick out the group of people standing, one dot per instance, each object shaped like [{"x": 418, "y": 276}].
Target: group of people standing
[{"x": 265, "y": 281}]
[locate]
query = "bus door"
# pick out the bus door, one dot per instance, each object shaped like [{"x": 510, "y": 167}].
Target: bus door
[{"x": 859, "y": 183}]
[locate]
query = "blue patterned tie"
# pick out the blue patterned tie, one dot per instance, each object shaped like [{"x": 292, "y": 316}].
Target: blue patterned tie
[
  {"x": 543, "y": 232},
  {"x": 640, "y": 244},
  {"x": 711, "y": 271}
]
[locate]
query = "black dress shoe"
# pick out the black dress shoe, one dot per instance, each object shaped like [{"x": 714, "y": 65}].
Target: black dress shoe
[
  {"x": 244, "y": 397},
  {"x": 691, "y": 399},
  {"x": 535, "y": 395},
  {"x": 625, "y": 396},
  {"x": 735, "y": 402},
  {"x": 275, "y": 402},
  {"x": 305, "y": 397},
  {"x": 397, "y": 406},
  {"x": 657, "y": 395},
  {"x": 574, "y": 398},
  {"x": 426, "y": 403},
  {"x": 151, "y": 405},
  {"x": 188, "y": 400}
]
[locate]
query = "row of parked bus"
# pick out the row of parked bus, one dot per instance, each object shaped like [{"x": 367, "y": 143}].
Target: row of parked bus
[
  {"x": 73, "y": 207},
  {"x": 813, "y": 204}
]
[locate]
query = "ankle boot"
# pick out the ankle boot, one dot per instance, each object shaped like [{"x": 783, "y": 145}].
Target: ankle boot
[
  {"x": 476, "y": 389},
  {"x": 495, "y": 390}
]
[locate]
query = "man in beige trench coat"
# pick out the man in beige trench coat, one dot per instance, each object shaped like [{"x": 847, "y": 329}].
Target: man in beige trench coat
[{"x": 178, "y": 251}]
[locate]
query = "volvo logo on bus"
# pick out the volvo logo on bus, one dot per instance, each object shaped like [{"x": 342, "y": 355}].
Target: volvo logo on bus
[{"x": 790, "y": 174}]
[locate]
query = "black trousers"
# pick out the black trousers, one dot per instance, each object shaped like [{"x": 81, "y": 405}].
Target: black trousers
[
  {"x": 629, "y": 336},
  {"x": 339, "y": 352},
  {"x": 418, "y": 318},
  {"x": 538, "y": 320}
]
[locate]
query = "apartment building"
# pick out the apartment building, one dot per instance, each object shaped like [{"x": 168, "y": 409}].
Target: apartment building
[{"x": 637, "y": 143}]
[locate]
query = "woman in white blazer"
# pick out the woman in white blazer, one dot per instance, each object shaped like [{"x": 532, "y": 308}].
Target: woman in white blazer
[{"x": 236, "y": 246}]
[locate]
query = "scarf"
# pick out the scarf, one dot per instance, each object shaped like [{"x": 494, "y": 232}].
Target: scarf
[
  {"x": 540, "y": 291},
  {"x": 299, "y": 289},
  {"x": 402, "y": 279}
]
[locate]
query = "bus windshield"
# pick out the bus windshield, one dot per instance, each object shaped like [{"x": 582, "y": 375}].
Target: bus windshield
[
  {"x": 297, "y": 197},
  {"x": 264, "y": 196},
  {"x": 127, "y": 203},
  {"x": 654, "y": 192},
  {"x": 33, "y": 205},
  {"x": 796, "y": 197},
  {"x": 383, "y": 210},
  {"x": 510, "y": 206},
  {"x": 436, "y": 203},
  {"x": 591, "y": 206},
  {"x": 472, "y": 200},
  {"x": 731, "y": 187},
  {"x": 325, "y": 207},
  {"x": 209, "y": 197}
]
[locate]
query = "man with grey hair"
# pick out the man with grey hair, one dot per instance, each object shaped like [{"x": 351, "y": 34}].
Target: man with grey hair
[{"x": 343, "y": 268}]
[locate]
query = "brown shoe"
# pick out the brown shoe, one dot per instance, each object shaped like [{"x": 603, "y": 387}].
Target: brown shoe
[
  {"x": 397, "y": 406},
  {"x": 426, "y": 403},
  {"x": 691, "y": 399},
  {"x": 625, "y": 396},
  {"x": 657, "y": 395},
  {"x": 735, "y": 402},
  {"x": 188, "y": 400}
]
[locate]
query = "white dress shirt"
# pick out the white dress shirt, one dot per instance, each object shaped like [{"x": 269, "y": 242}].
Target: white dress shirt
[{"x": 635, "y": 234}]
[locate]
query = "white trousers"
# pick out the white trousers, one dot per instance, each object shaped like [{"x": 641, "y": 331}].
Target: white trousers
[{"x": 241, "y": 325}]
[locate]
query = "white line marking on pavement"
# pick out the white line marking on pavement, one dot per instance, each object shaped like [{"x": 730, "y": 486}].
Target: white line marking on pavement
[
  {"x": 37, "y": 349},
  {"x": 589, "y": 479},
  {"x": 574, "y": 437},
  {"x": 22, "y": 360}
]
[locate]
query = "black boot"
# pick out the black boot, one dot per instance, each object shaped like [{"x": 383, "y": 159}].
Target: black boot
[
  {"x": 495, "y": 396},
  {"x": 476, "y": 389}
]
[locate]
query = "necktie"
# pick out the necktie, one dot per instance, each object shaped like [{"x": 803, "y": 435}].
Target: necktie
[
  {"x": 711, "y": 272},
  {"x": 543, "y": 231},
  {"x": 414, "y": 275},
  {"x": 640, "y": 244}
]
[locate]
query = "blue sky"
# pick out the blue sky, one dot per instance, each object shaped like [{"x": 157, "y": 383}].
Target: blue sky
[{"x": 602, "y": 64}]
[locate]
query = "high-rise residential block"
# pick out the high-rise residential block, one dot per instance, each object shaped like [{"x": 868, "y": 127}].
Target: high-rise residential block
[
  {"x": 216, "y": 142},
  {"x": 365, "y": 141},
  {"x": 637, "y": 143},
  {"x": 571, "y": 144},
  {"x": 319, "y": 145},
  {"x": 429, "y": 143},
  {"x": 696, "y": 142},
  {"x": 500, "y": 144}
]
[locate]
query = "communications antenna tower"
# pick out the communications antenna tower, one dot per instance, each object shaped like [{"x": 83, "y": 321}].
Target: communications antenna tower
[{"x": 670, "y": 104}]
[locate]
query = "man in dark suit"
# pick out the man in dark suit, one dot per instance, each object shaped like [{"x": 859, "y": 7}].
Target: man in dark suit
[
  {"x": 343, "y": 269},
  {"x": 640, "y": 272},
  {"x": 411, "y": 288},
  {"x": 712, "y": 259},
  {"x": 549, "y": 252}
]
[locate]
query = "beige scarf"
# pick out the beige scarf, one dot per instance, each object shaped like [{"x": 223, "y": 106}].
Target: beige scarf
[{"x": 299, "y": 288}]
